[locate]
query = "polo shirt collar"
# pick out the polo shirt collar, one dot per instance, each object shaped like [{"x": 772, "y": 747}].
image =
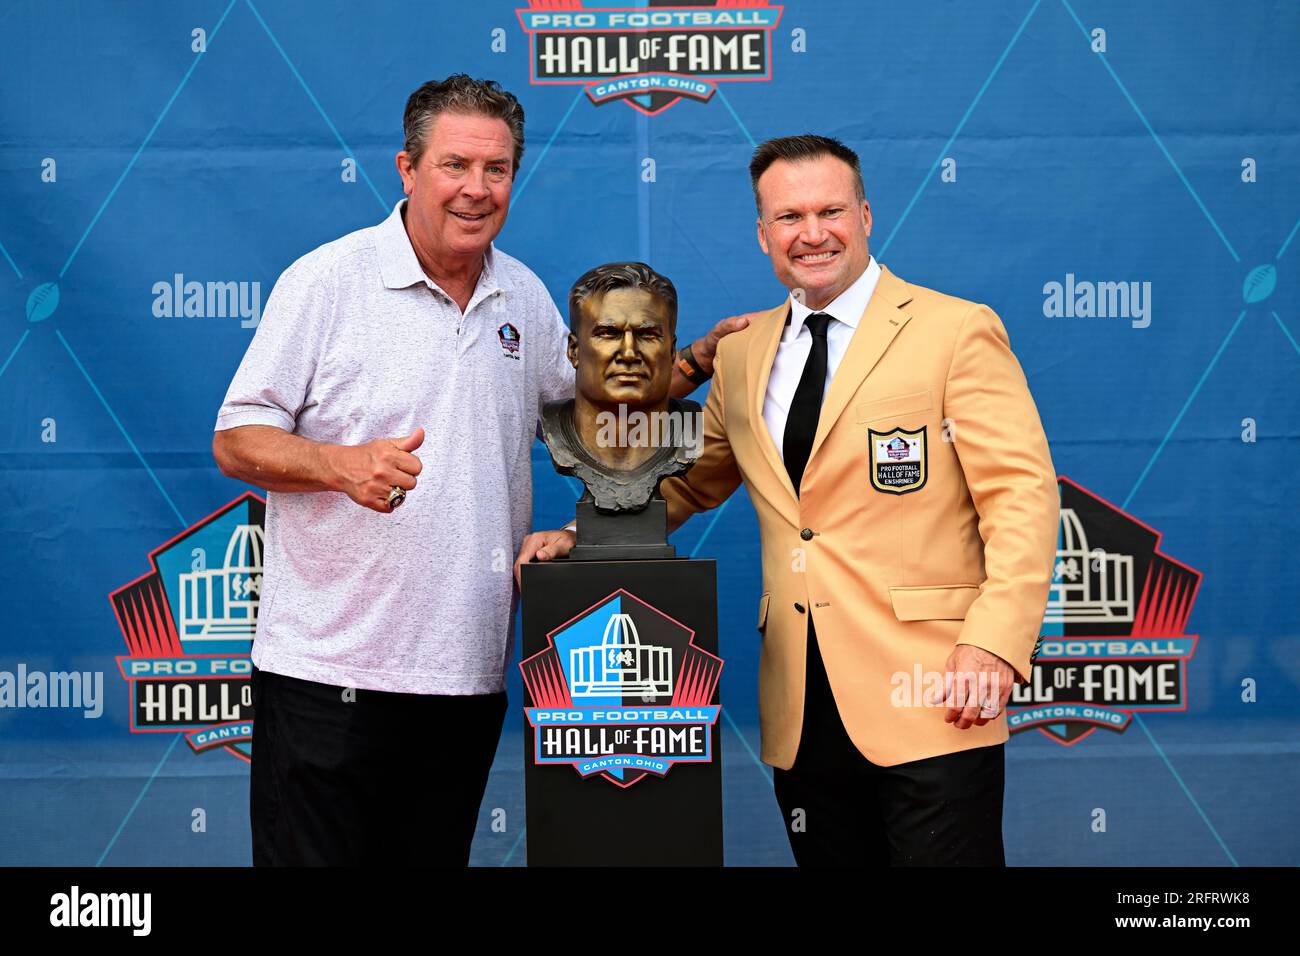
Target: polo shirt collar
[
  {"x": 847, "y": 307},
  {"x": 400, "y": 268}
]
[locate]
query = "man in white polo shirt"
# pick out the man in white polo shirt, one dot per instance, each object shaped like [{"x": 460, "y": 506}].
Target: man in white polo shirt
[{"x": 406, "y": 362}]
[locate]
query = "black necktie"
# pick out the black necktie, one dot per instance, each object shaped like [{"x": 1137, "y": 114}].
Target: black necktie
[{"x": 801, "y": 425}]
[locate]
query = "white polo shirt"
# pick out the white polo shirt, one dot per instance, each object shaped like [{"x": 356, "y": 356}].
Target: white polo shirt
[{"x": 357, "y": 343}]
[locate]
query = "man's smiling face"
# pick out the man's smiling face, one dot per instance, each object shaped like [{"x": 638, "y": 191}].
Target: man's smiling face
[
  {"x": 460, "y": 187},
  {"x": 813, "y": 227}
]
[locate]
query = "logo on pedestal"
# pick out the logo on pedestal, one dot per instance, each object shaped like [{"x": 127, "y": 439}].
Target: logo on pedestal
[{"x": 622, "y": 691}]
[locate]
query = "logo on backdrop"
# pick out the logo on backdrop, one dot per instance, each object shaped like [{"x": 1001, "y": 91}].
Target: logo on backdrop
[
  {"x": 649, "y": 55},
  {"x": 1113, "y": 637},
  {"x": 622, "y": 692},
  {"x": 188, "y": 625}
]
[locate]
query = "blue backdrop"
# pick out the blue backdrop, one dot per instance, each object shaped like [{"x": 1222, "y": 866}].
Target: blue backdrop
[{"x": 1005, "y": 145}]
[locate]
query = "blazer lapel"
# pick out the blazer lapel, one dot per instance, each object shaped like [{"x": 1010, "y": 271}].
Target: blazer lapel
[
  {"x": 883, "y": 319},
  {"x": 762, "y": 353}
]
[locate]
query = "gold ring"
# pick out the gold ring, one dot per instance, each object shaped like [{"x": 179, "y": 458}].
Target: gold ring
[{"x": 395, "y": 498}]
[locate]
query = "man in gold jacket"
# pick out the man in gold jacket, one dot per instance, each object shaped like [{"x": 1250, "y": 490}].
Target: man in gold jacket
[{"x": 908, "y": 510}]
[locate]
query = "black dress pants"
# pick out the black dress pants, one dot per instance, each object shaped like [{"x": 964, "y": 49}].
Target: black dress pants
[
  {"x": 840, "y": 809},
  {"x": 382, "y": 779}
]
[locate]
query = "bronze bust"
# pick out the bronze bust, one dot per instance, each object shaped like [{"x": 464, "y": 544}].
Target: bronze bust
[{"x": 622, "y": 433}]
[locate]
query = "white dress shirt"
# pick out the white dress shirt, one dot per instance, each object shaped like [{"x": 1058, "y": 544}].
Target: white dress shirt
[{"x": 796, "y": 345}]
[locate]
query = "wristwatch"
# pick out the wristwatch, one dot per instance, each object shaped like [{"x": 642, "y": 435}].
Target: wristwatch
[{"x": 691, "y": 370}]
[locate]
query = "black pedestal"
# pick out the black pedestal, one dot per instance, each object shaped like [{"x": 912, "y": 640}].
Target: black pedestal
[
  {"x": 622, "y": 760},
  {"x": 609, "y": 537}
]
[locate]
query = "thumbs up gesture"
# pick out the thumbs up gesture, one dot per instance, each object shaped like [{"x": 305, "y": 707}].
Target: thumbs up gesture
[{"x": 367, "y": 473}]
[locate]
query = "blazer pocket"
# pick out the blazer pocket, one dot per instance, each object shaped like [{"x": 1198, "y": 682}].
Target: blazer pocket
[
  {"x": 893, "y": 406},
  {"x": 945, "y": 602},
  {"x": 762, "y": 610}
]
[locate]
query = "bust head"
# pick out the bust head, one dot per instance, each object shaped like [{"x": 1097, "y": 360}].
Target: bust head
[
  {"x": 623, "y": 321},
  {"x": 622, "y": 434}
]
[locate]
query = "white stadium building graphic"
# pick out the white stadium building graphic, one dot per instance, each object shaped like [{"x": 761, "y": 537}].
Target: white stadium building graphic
[
  {"x": 621, "y": 664},
  {"x": 1088, "y": 587},
  {"x": 220, "y": 604}
]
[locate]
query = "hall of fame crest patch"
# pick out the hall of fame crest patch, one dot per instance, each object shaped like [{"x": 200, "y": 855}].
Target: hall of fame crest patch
[{"x": 898, "y": 460}]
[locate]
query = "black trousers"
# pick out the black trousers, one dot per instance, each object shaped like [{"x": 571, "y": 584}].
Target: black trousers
[
  {"x": 840, "y": 809},
  {"x": 383, "y": 779}
]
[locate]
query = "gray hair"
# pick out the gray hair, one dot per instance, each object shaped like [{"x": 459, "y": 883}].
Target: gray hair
[
  {"x": 622, "y": 275},
  {"x": 460, "y": 93}
]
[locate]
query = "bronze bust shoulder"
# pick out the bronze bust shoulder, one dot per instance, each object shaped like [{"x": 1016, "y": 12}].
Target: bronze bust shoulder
[{"x": 619, "y": 490}]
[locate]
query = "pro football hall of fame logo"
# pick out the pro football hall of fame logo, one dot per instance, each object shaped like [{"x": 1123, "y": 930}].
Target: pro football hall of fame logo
[
  {"x": 649, "y": 54},
  {"x": 188, "y": 625},
  {"x": 621, "y": 691},
  {"x": 1113, "y": 637}
]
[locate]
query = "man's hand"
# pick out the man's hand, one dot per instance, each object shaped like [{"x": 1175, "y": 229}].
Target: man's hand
[
  {"x": 543, "y": 546},
  {"x": 367, "y": 473},
  {"x": 976, "y": 685}
]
